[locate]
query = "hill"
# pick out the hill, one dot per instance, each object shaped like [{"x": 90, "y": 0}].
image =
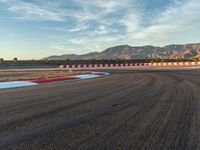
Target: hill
[{"x": 184, "y": 51}]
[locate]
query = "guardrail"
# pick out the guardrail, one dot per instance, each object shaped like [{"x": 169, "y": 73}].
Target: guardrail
[{"x": 130, "y": 65}]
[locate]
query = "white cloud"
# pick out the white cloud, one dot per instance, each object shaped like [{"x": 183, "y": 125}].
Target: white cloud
[
  {"x": 79, "y": 27},
  {"x": 179, "y": 23},
  {"x": 94, "y": 25},
  {"x": 99, "y": 31},
  {"x": 57, "y": 47},
  {"x": 80, "y": 41},
  {"x": 131, "y": 21},
  {"x": 102, "y": 30},
  {"x": 98, "y": 9},
  {"x": 98, "y": 43},
  {"x": 29, "y": 11}
]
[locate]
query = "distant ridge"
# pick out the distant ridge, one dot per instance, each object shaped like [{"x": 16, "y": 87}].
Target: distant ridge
[{"x": 184, "y": 51}]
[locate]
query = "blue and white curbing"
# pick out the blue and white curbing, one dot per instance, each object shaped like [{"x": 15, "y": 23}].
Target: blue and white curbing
[
  {"x": 16, "y": 84},
  {"x": 92, "y": 75}
]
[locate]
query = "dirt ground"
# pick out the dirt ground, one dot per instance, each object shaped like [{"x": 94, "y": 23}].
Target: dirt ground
[{"x": 29, "y": 75}]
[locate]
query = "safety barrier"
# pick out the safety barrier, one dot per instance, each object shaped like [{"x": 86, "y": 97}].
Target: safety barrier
[
  {"x": 174, "y": 64},
  {"x": 103, "y": 65},
  {"x": 89, "y": 66}
]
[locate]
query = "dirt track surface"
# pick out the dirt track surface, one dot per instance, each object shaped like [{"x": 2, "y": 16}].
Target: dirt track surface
[{"x": 136, "y": 110}]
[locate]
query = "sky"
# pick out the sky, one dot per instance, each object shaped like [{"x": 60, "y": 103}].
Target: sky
[{"x": 33, "y": 29}]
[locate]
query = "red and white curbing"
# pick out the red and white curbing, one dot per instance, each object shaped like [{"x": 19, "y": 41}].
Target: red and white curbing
[
  {"x": 103, "y": 65},
  {"x": 16, "y": 84},
  {"x": 96, "y": 66}
]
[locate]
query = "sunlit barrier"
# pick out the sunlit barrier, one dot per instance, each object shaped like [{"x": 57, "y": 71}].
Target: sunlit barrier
[{"x": 160, "y": 64}]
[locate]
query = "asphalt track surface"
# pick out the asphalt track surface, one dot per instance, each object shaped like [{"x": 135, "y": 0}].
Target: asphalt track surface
[{"x": 136, "y": 110}]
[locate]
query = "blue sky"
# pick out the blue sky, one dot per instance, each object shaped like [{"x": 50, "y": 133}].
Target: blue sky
[{"x": 33, "y": 29}]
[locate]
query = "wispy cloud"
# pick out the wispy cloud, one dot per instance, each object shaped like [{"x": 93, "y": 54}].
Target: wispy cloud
[
  {"x": 131, "y": 21},
  {"x": 178, "y": 23},
  {"x": 80, "y": 26},
  {"x": 98, "y": 9},
  {"x": 29, "y": 11},
  {"x": 58, "y": 47}
]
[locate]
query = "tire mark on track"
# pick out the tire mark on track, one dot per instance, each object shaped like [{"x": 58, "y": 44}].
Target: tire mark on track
[
  {"x": 52, "y": 113},
  {"x": 18, "y": 138},
  {"x": 110, "y": 133}
]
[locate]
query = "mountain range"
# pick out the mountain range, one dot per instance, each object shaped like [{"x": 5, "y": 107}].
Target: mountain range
[{"x": 184, "y": 51}]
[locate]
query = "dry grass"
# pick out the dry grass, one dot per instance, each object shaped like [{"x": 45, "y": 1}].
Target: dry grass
[{"x": 29, "y": 75}]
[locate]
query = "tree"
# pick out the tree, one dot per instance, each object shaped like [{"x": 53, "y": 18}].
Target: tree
[
  {"x": 147, "y": 60},
  {"x": 162, "y": 60},
  {"x": 93, "y": 61},
  {"x": 1, "y": 60},
  {"x": 58, "y": 62},
  {"x": 68, "y": 61},
  {"x": 15, "y": 59},
  {"x": 195, "y": 59},
  {"x": 157, "y": 59},
  {"x": 103, "y": 61},
  {"x": 46, "y": 60},
  {"x": 180, "y": 59},
  {"x": 118, "y": 60}
]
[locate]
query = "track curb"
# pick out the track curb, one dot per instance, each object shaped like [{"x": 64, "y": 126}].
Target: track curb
[{"x": 16, "y": 84}]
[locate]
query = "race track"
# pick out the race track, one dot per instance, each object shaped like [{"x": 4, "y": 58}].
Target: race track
[{"x": 134, "y": 110}]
